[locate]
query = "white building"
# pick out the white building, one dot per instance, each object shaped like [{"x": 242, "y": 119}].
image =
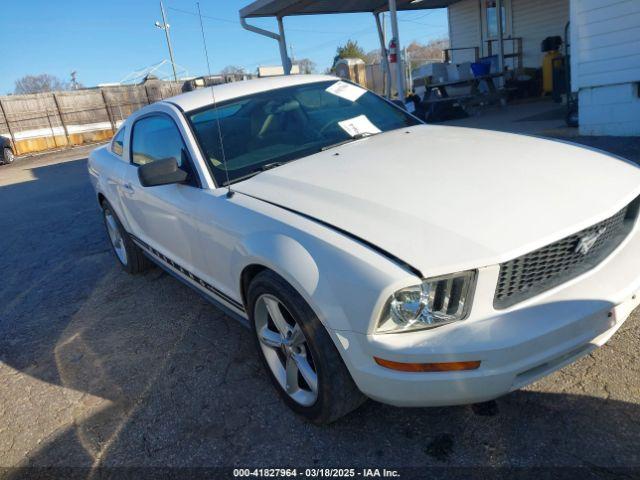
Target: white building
[
  {"x": 473, "y": 23},
  {"x": 605, "y": 47},
  {"x": 606, "y": 65},
  {"x": 604, "y": 37},
  {"x": 275, "y": 70}
]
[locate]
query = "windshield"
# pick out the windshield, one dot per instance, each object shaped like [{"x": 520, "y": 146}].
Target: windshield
[{"x": 277, "y": 126}]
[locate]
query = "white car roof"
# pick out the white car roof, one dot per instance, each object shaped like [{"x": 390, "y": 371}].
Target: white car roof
[{"x": 228, "y": 91}]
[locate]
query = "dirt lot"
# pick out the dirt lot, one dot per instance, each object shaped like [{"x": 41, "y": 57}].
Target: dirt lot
[{"x": 101, "y": 369}]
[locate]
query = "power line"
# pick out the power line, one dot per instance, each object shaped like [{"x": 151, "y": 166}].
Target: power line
[
  {"x": 220, "y": 19},
  {"x": 425, "y": 15},
  {"x": 306, "y": 30},
  {"x": 235, "y": 22},
  {"x": 322, "y": 45},
  {"x": 342, "y": 35},
  {"x": 419, "y": 23}
]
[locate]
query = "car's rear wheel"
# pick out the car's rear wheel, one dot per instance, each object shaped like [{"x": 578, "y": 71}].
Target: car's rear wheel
[
  {"x": 129, "y": 255},
  {"x": 302, "y": 361},
  {"x": 8, "y": 156}
]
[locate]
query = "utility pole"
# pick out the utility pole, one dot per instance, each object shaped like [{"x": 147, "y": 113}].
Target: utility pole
[
  {"x": 407, "y": 69},
  {"x": 387, "y": 80},
  {"x": 393, "y": 14},
  {"x": 165, "y": 26},
  {"x": 74, "y": 80},
  {"x": 500, "y": 40}
]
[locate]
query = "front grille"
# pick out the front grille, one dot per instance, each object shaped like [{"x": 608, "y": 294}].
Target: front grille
[{"x": 547, "y": 267}]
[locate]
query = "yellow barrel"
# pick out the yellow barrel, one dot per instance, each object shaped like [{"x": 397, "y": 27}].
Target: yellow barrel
[{"x": 547, "y": 71}]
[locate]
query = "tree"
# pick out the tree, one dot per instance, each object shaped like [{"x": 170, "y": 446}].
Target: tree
[
  {"x": 306, "y": 66},
  {"x": 39, "y": 83},
  {"x": 232, "y": 70},
  {"x": 418, "y": 53},
  {"x": 431, "y": 52},
  {"x": 373, "y": 57},
  {"x": 351, "y": 49}
]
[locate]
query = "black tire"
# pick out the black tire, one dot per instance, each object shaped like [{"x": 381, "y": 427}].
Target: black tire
[
  {"x": 572, "y": 117},
  {"x": 136, "y": 261},
  {"x": 337, "y": 392},
  {"x": 8, "y": 156}
]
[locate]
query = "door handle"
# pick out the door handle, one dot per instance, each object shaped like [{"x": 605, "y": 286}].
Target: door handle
[{"x": 127, "y": 187}]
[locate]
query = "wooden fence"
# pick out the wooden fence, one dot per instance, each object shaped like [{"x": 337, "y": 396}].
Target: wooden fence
[{"x": 43, "y": 121}]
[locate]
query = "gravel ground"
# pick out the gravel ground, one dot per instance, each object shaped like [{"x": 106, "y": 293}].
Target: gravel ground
[{"x": 102, "y": 369}]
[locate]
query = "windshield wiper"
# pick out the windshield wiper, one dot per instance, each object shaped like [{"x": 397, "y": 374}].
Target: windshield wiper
[
  {"x": 357, "y": 136},
  {"x": 268, "y": 166},
  {"x": 255, "y": 171}
]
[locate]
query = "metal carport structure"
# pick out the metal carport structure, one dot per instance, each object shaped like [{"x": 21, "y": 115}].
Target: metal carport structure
[{"x": 283, "y": 8}]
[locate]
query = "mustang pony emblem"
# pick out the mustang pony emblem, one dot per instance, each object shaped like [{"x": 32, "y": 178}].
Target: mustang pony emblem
[{"x": 587, "y": 242}]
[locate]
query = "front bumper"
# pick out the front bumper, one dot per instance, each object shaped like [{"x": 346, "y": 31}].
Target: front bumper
[{"x": 515, "y": 346}]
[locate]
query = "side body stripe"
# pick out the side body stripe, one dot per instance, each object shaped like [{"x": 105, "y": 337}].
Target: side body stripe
[{"x": 188, "y": 275}]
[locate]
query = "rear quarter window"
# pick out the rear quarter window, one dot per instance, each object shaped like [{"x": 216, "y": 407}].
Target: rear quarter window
[{"x": 117, "y": 144}]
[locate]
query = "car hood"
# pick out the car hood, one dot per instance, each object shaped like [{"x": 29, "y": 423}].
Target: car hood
[{"x": 444, "y": 199}]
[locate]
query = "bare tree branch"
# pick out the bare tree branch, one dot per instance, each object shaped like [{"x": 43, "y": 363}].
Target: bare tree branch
[
  {"x": 232, "y": 70},
  {"x": 39, "y": 83},
  {"x": 306, "y": 66}
]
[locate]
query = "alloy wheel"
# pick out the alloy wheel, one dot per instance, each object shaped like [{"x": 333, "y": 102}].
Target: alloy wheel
[
  {"x": 285, "y": 349},
  {"x": 115, "y": 236}
]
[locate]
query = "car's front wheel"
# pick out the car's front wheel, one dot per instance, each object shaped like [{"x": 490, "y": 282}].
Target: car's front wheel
[
  {"x": 8, "y": 156},
  {"x": 302, "y": 361},
  {"x": 129, "y": 255}
]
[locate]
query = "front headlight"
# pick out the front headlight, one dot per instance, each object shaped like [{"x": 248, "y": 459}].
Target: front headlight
[{"x": 436, "y": 301}]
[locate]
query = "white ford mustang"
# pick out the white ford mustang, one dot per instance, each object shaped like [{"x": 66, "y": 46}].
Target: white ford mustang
[{"x": 372, "y": 255}]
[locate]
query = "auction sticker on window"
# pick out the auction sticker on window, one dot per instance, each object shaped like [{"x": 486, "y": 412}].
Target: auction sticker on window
[
  {"x": 358, "y": 125},
  {"x": 346, "y": 90}
]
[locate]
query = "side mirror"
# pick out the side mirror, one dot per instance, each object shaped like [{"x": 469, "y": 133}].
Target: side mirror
[{"x": 161, "y": 172}]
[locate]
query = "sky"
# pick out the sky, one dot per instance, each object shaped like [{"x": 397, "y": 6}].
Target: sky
[{"x": 106, "y": 40}]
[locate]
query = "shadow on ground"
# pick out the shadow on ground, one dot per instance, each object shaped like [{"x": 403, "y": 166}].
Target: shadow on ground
[{"x": 100, "y": 368}]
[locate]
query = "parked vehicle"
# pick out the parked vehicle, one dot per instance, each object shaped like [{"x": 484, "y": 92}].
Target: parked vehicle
[
  {"x": 372, "y": 255},
  {"x": 6, "y": 151}
]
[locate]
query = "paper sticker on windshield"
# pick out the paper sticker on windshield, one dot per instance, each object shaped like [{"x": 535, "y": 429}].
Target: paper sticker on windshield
[
  {"x": 346, "y": 90},
  {"x": 358, "y": 125}
]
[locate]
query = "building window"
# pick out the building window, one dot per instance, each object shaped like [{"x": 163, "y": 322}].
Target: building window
[{"x": 491, "y": 18}]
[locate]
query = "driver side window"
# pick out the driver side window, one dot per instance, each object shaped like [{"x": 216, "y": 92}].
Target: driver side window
[{"x": 156, "y": 138}]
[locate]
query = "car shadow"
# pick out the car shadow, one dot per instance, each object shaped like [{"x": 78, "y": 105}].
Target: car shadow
[
  {"x": 102, "y": 369},
  {"x": 181, "y": 389}
]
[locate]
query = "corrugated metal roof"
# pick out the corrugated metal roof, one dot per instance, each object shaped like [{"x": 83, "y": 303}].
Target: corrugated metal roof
[{"x": 283, "y": 8}]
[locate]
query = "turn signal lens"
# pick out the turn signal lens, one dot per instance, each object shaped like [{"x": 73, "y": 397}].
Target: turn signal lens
[{"x": 428, "y": 367}]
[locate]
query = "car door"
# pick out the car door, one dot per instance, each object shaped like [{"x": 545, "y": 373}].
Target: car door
[
  {"x": 162, "y": 216},
  {"x": 115, "y": 171}
]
